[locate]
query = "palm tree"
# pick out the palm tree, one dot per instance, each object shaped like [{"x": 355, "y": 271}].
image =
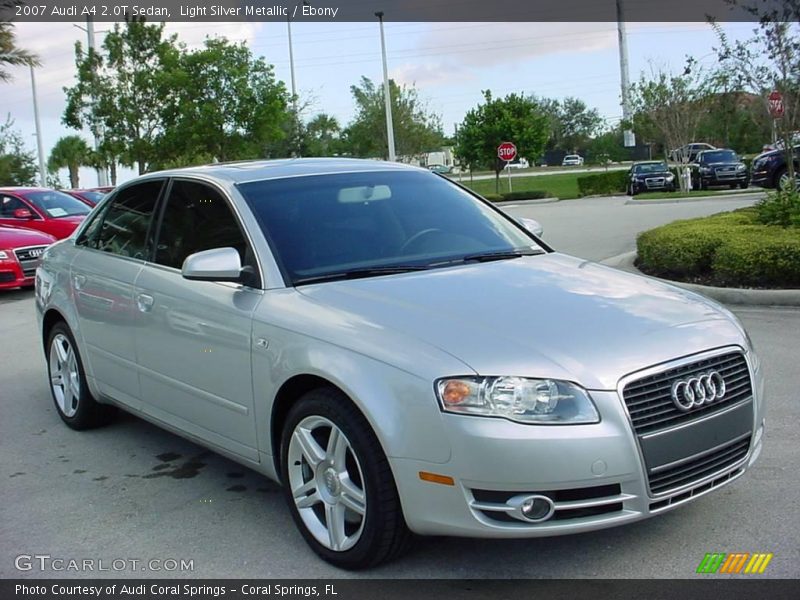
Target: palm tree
[
  {"x": 71, "y": 152},
  {"x": 10, "y": 54}
]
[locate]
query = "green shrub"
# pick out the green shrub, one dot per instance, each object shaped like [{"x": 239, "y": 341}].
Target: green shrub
[
  {"x": 493, "y": 197},
  {"x": 725, "y": 249},
  {"x": 530, "y": 195},
  {"x": 780, "y": 208},
  {"x": 771, "y": 260},
  {"x": 611, "y": 182}
]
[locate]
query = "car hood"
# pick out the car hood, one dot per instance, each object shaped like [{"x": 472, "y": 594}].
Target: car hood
[
  {"x": 18, "y": 237},
  {"x": 551, "y": 315}
]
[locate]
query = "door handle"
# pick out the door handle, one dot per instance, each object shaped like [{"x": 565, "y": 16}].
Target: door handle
[
  {"x": 144, "y": 302},
  {"x": 78, "y": 281}
]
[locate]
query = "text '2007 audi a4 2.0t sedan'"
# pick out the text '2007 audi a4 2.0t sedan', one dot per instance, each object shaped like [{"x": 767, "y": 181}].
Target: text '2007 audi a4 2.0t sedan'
[{"x": 398, "y": 353}]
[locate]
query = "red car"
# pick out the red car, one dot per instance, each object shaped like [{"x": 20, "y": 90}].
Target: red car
[
  {"x": 49, "y": 211},
  {"x": 90, "y": 196},
  {"x": 20, "y": 253}
]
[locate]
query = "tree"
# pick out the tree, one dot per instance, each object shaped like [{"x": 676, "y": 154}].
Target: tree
[
  {"x": 515, "y": 118},
  {"x": 11, "y": 54},
  {"x": 128, "y": 88},
  {"x": 572, "y": 124},
  {"x": 416, "y": 129},
  {"x": 229, "y": 105},
  {"x": 769, "y": 60},
  {"x": 17, "y": 165},
  {"x": 606, "y": 147},
  {"x": 70, "y": 152},
  {"x": 322, "y": 136},
  {"x": 669, "y": 107}
]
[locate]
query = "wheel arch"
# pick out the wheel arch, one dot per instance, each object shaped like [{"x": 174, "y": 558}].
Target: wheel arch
[{"x": 51, "y": 317}]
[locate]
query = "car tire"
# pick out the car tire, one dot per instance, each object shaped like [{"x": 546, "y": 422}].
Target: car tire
[
  {"x": 782, "y": 179},
  {"x": 74, "y": 402},
  {"x": 743, "y": 185},
  {"x": 333, "y": 468}
]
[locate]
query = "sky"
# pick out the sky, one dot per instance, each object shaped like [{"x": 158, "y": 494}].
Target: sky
[{"x": 449, "y": 63}]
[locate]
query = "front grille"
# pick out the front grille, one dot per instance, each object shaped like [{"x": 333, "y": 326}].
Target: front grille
[
  {"x": 699, "y": 467},
  {"x": 29, "y": 259},
  {"x": 649, "y": 399},
  {"x": 655, "y": 182}
]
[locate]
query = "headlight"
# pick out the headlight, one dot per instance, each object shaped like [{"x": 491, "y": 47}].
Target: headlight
[
  {"x": 740, "y": 167},
  {"x": 4, "y": 255},
  {"x": 670, "y": 177},
  {"x": 539, "y": 401},
  {"x": 705, "y": 169}
]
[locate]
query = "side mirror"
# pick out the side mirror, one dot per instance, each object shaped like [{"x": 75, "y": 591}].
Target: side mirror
[
  {"x": 23, "y": 213},
  {"x": 532, "y": 225},
  {"x": 217, "y": 264}
]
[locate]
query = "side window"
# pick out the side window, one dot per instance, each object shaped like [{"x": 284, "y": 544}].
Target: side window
[
  {"x": 95, "y": 224},
  {"x": 124, "y": 227},
  {"x": 197, "y": 218},
  {"x": 8, "y": 204}
]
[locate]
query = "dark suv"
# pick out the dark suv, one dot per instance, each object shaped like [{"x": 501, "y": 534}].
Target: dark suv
[
  {"x": 769, "y": 169},
  {"x": 650, "y": 176},
  {"x": 717, "y": 168}
]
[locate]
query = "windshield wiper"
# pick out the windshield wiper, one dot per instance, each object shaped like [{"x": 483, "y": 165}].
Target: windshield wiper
[
  {"x": 499, "y": 255},
  {"x": 360, "y": 273}
]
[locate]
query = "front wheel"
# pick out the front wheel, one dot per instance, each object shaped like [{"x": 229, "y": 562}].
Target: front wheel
[
  {"x": 73, "y": 400},
  {"x": 743, "y": 185},
  {"x": 338, "y": 483},
  {"x": 784, "y": 183}
]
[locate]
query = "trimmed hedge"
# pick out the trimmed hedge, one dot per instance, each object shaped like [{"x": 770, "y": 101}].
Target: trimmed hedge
[
  {"x": 530, "y": 195},
  {"x": 611, "y": 182},
  {"x": 728, "y": 249}
]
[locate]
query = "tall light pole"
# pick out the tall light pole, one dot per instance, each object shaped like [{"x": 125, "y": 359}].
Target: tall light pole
[
  {"x": 42, "y": 169},
  {"x": 291, "y": 70},
  {"x": 387, "y": 97},
  {"x": 628, "y": 135},
  {"x": 97, "y": 128}
]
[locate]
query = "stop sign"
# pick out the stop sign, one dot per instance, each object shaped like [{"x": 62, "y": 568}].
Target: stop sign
[
  {"x": 776, "y": 104},
  {"x": 507, "y": 151}
]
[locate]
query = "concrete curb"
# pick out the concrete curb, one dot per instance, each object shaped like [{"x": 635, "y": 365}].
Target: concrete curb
[
  {"x": 625, "y": 261},
  {"x": 728, "y": 195}
]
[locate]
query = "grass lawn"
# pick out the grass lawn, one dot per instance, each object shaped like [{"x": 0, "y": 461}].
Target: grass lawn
[
  {"x": 692, "y": 194},
  {"x": 563, "y": 185}
]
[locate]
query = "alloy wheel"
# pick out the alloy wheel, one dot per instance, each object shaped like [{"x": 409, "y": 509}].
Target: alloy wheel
[
  {"x": 327, "y": 483},
  {"x": 64, "y": 375}
]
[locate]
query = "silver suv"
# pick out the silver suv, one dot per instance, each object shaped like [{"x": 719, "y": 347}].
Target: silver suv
[{"x": 398, "y": 353}]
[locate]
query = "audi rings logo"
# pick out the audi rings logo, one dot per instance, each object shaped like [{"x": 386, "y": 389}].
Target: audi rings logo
[{"x": 698, "y": 390}]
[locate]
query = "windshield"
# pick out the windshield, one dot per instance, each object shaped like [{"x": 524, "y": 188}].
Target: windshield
[
  {"x": 650, "y": 168},
  {"x": 719, "y": 156},
  {"x": 57, "y": 204},
  {"x": 360, "y": 223},
  {"x": 91, "y": 196}
]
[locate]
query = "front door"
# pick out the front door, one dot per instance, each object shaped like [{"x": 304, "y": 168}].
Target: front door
[{"x": 194, "y": 343}]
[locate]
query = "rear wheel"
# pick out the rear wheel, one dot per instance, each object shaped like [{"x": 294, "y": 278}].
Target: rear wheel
[
  {"x": 73, "y": 400},
  {"x": 743, "y": 185},
  {"x": 338, "y": 483}
]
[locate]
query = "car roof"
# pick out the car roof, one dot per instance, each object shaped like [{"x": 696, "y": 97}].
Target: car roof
[
  {"x": 258, "y": 170},
  {"x": 19, "y": 189},
  {"x": 648, "y": 162}
]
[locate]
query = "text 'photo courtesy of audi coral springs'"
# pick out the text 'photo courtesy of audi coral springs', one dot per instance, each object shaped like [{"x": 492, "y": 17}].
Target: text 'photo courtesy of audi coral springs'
[{"x": 401, "y": 355}]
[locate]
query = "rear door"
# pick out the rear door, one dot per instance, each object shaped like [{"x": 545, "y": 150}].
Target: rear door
[
  {"x": 194, "y": 342},
  {"x": 111, "y": 252}
]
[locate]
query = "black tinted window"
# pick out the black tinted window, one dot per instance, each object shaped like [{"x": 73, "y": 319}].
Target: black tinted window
[
  {"x": 8, "y": 204},
  {"x": 197, "y": 218},
  {"x": 126, "y": 221}
]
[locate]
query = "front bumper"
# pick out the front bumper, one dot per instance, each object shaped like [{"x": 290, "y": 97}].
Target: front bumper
[
  {"x": 595, "y": 475},
  {"x": 737, "y": 178},
  {"x": 12, "y": 276}
]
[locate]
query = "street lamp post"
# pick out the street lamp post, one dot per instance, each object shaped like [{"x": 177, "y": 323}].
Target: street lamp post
[
  {"x": 291, "y": 70},
  {"x": 40, "y": 147},
  {"x": 386, "y": 92}
]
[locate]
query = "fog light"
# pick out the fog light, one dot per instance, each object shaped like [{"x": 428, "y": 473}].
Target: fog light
[{"x": 537, "y": 508}]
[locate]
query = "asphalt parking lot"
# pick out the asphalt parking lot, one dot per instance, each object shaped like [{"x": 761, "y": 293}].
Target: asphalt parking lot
[{"x": 134, "y": 492}]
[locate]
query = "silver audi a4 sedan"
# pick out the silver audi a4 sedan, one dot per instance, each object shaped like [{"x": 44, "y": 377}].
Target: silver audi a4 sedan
[{"x": 399, "y": 354}]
